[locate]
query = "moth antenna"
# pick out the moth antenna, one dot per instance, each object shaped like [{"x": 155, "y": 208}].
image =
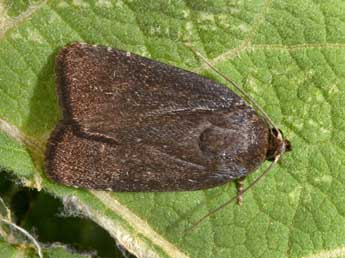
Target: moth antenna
[
  {"x": 233, "y": 83},
  {"x": 235, "y": 197}
]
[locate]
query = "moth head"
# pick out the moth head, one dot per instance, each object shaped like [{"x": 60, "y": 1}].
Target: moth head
[{"x": 277, "y": 144}]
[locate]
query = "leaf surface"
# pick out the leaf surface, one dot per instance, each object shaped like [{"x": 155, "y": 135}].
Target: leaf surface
[{"x": 288, "y": 55}]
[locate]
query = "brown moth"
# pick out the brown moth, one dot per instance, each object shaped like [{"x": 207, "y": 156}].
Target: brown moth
[{"x": 135, "y": 124}]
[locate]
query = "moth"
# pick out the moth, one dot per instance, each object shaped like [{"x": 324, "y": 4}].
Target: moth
[{"x": 137, "y": 125}]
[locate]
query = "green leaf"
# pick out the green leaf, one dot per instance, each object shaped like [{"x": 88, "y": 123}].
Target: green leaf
[
  {"x": 15, "y": 241},
  {"x": 290, "y": 57},
  {"x": 8, "y": 250}
]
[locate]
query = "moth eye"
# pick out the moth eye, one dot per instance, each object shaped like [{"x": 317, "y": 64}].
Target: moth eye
[
  {"x": 274, "y": 131},
  {"x": 214, "y": 140}
]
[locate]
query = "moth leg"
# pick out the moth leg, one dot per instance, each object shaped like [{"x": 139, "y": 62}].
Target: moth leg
[
  {"x": 281, "y": 162},
  {"x": 239, "y": 187}
]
